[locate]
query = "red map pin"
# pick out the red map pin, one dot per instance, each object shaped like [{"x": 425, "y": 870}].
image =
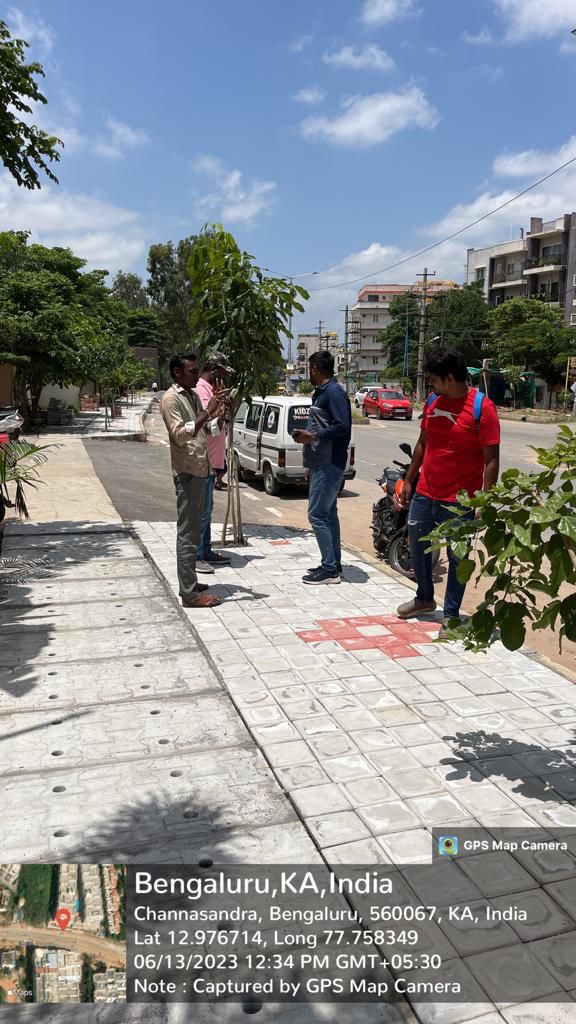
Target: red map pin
[{"x": 63, "y": 917}]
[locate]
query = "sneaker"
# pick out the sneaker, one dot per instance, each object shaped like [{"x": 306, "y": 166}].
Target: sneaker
[
  {"x": 202, "y": 566},
  {"x": 412, "y": 609},
  {"x": 339, "y": 568},
  {"x": 321, "y": 576},
  {"x": 215, "y": 558}
]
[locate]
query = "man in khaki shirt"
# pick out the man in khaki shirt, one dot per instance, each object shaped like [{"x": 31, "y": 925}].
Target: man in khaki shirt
[{"x": 188, "y": 425}]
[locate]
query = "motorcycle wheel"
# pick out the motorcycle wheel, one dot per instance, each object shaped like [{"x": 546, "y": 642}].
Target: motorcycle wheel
[{"x": 399, "y": 556}]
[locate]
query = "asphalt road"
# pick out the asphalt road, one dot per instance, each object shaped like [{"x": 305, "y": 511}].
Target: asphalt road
[
  {"x": 139, "y": 482},
  {"x": 377, "y": 444},
  {"x": 79, "y": 941}
]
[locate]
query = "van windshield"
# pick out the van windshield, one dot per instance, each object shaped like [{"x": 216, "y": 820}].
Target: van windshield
[{"x": 297, "y": 417}]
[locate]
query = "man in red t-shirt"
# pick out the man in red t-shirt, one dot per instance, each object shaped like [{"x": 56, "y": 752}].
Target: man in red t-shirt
[{"x": 456, "y": 451}]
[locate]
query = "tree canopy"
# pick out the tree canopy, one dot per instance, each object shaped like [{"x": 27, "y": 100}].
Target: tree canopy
[
  {"x": 169, "y": 289},
  {"x": 460, "y": 318},
  {"x": 530, "y": 334},
  {"x": 129, "y": 288},
  {"x": 25, "y": 149},
  {"x": 236, "y": 309}
]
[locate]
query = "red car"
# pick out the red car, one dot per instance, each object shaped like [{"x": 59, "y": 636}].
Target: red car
[{"x": 387, "y": 404}]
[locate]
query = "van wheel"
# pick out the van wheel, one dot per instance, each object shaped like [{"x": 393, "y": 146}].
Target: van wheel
[
  {"x": 271, "y": 485},
  {"x": 244, "y": 475}
]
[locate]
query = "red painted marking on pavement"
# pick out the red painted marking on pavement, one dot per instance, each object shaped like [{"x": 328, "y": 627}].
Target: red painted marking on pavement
[{"x": 397, "y": 642}]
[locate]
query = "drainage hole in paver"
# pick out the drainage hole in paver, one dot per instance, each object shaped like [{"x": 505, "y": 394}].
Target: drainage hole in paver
[
  {"x": 57, "y": 721},
  {"x": 205, "y": 862},
  {"x": 126, "y": 630},
  {"x": 145, "y": 686},
  {"x": 57, "y": 753},
  {"x": 60, "y": 833},
  {"x": 190, "y": 814},
  {"x": 59, "y": 789},
  {"x": 154, "y": 712},
  {"x": 163, "y": 742},
  {"x": 54, "y": 673},
  {"x": 52, "y": 696},
  {"x": 252, "y": 1005},
  {"x": 52, "y": 655},
  {"x": 138, "y": 664},
  {"x": 175, "y": 775}
]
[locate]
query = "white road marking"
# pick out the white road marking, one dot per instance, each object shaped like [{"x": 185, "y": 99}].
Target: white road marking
[
  {"x": 250, "y": 496},
  {"x": 364, "y": 463},
  {"x": 274, "y": 511}
]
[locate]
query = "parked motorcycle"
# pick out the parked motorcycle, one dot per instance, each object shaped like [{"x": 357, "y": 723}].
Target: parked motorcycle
[{"x": 390, "y": 525}]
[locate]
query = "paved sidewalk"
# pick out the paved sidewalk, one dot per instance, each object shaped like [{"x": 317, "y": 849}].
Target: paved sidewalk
[
  {"x": 379, "y": 735},
  {"x": 92, "y": 425}
]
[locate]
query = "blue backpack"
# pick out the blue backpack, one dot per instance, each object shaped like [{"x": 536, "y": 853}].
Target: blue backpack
[{"x": 478, "y": 401}]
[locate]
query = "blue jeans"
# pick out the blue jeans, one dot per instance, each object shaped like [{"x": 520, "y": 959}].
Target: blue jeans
[
  {"x": 325, "y": 484},
  {"x": 205, "y": 546},
  {"x": 424, "y": 514}
]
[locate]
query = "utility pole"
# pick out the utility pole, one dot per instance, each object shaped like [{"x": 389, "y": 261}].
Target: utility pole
[
  {"x": 420, "y": 383},
  {"x": 320, "y": 322},
  {"x": 346, "y": 360},
  {"x": 290, "y": 334}
]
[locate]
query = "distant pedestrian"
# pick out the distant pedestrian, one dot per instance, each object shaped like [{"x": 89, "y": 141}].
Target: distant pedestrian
[
  {"x": 325, "y": 441},
  {"x": 458, "y": 450},
  {"x": 188, "y": 425},
  {"x": 213, "y": 375},
  {"x": 154, "y": 387}
]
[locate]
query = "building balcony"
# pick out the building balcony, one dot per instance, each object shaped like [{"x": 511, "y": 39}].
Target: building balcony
[
  {"x": 508, "y": 280},
  {"x": 544, "y": 264}
]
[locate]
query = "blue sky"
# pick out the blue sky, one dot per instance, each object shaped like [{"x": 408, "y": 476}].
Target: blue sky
[{"x": 335, "y": 136}]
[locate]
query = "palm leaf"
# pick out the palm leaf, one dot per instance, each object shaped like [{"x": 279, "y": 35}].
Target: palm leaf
[{"x": 21, "y": 570}]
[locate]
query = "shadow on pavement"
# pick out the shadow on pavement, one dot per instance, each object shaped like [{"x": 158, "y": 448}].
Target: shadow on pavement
[
  {"x": 68, "y": 546},
  {"x": 541, "y": 774}
]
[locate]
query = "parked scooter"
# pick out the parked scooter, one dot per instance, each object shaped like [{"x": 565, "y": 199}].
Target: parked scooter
[{"x": 389, "y": 523}]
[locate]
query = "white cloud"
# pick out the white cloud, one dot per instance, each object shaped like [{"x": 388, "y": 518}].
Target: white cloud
[
  {"x": 33, "y": 30},
  {"x": 300, "y": 43},
  {"x": 121, "y": 139},
  {"x": 483, "y": 38},
  {"x": 492, "y": 72},
  {"x": 367, "y": 58},
  {"x": 533, "y": 163},
  {"x": 534, "y": 19},
  {"x": 230, "y": 199},
  {"x": 106, "y": 235},
  {"x": 311, "y": 94},
  {"x": 369, "y": 120},
  {"x": 568, "y": 46},
  {"x": 382, "y": 12}
]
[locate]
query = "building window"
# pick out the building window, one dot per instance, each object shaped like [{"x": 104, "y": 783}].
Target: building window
[
  {"x": 375, "y": 318},
  {"x": 555, "y": 291},
  {"x": 372, "y": 298},
  {"x": 481, "y": 274},
  {"x": 551, "y": 250},
  {"x": 374, "y": 360},
  {"x": 510, "y": 268}
]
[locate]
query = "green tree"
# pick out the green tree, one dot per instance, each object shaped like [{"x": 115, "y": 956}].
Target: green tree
[
  {"x": 24, "y": 148},
  {"x": 47, "y": 305},
  {"x": 531, "y": 334},
  {"x": 130, "y": 289},
  {"x": 460, "y": 318},
  {"x": 405, "y": 313},
  {"x": 169, "y": 288},
  {"x": 242, "y": 313},
  {"x": 523, "y": 539},
  {"x": 145, "y": 329}
]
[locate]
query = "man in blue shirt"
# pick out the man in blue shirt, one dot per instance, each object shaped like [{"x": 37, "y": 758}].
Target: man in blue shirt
[{"x": 325, "y": 441}]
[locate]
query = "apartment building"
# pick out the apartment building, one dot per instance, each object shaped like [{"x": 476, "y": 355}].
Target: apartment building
[
  {"x": 540, "y": 264},
  {"x": 307, "y": 344},
  {"x": 370, "y": 315},
  {"x": 110, "y": 986},
  {"x": 57, "y": 975}
]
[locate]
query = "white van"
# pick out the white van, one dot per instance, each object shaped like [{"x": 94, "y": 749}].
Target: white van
[{"x": 263, "y": 442}]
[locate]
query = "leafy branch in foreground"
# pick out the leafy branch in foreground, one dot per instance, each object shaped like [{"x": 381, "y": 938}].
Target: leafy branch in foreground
[
  {"x": 19, "y": 464},
  {"x": 524, "y": 539}
]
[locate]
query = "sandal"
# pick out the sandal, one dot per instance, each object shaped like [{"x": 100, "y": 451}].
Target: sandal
[
  {"x": 202, "y": 601},
  {"x": 200, "y": 588}
]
